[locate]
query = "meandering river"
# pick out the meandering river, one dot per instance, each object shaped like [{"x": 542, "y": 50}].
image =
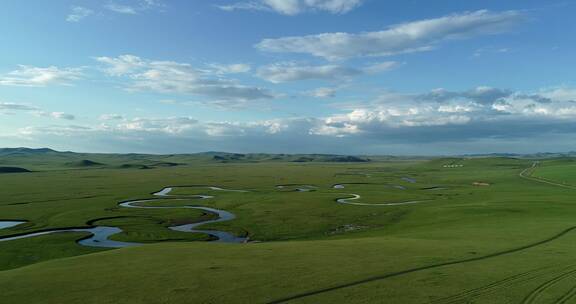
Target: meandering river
[{"x": 100, "y": 235}]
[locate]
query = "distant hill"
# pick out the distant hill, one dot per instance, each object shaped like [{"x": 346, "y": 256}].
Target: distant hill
[
  {"x": 333, "y": 158},
  {"x": 299, "y": 158},
  {"x": 49, "y": 159},
  {"x": 13, "y": 170},
  {"x": 541, "y": 155},
  {"x": 13, "y": 151}
]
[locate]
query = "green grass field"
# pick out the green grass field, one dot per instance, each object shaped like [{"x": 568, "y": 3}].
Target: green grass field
[{"x": 484, "y": 233}]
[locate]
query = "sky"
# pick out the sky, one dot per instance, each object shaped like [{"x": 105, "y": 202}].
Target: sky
[{"x": 410, "y": 77}]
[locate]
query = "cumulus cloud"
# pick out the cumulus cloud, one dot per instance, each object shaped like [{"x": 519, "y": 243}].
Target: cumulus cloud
[
  {"x": 408, "y": 37},
  {"x": 78, "y": 13},
  {"x": 440, "y": 118},
  {"x": 295, "y": 7},
  {"x": 442, "y": 109},
  {"x": 30, "y": 76},
  {"x": 182, "y": 78},
  {"x": 559, "y": 93},
  {"x": 286, "y": 72},
  {"x": 263, "y": 137}
]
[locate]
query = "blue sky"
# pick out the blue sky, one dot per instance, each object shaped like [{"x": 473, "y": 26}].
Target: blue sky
[{"x": 288, "y": 76}]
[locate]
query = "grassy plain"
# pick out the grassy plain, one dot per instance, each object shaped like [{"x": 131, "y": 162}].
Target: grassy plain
[{"x": 507, "y": 242}]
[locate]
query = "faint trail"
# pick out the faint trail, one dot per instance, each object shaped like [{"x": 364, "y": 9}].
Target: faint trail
[
  {"x": 567, "y": 296},
  {"x": 412, "y": 270},
  {"x": 417, "y": 269},
  {"x": 492, "y": 287},
  {"x": 535, "y": 294},
  {"x": 527, "y": 174}
]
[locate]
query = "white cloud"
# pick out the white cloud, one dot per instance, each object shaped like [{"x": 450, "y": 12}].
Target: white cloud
[
  {"x": 288, "y": 71},
  {"x": 78, "y": 13},
  {"x": 181, "y": 78},
  {"x": 436, "y": 118},
  {"x": 10, "y": 106},
  {"x": 380, "y": 67},
  {"x": 408, "y": 37},
  {"x": 58, "y": 130},
  {"x": 560, "y": 93},
  {"x": 334, "y": 6},
  {"x": 253, "y": 6},
  {"x": 490, "y": 50},
  {"x": 134, "y": 7},
  {"x": 152, "y": 3},
  {"x": 475, "y": 107},
  {"x": 121, "y": 9},
  {"x": 121, "y": 65},
  {"x": 16, "y": 106},
  {"x": 56, "y": 115},
  {"x": 295, "y": 7},
  {"x": 287, "y": 7},
  {"x": 235, "y": 68},
  {"x": 106, "y": 117},
  {"x": 173, "y": 125},
  {"x": 323, "y": 92},
  {"x": 30, "y": 76}
]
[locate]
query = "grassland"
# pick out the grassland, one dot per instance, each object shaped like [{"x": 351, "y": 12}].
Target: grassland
[{"x": 484, "y": 235}]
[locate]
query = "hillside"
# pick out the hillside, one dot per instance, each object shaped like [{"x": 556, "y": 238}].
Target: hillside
[{"x": 48, "y": 159}]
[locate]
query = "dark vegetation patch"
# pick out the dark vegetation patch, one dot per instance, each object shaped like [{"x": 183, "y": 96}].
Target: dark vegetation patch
[
  {"x": 165, "y": 164},
  {"x": 134, "y": 166},
  {"x": 13, "y": 170},
  {"x": 84, "y": 163}
]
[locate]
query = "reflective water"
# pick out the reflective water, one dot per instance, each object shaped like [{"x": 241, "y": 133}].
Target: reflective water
[
  {"x": 409, "y": 179},
  {"x": 222, "y": 236},
  {"x": 99, "y": 236},
  {"x": 8, "y": 224}
]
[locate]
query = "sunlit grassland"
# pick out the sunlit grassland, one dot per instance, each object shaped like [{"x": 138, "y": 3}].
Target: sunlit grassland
[{"x": 306, "y": 240}]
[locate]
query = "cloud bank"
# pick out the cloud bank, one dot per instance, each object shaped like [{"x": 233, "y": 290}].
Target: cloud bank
[
  {"x": 402, "y": 38},
  {"x": 182, "y": 78},
  {"x": 287, "y": 72},
  {"x": 458, "y": 119},
  {"x": 30, "y": 76}
]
